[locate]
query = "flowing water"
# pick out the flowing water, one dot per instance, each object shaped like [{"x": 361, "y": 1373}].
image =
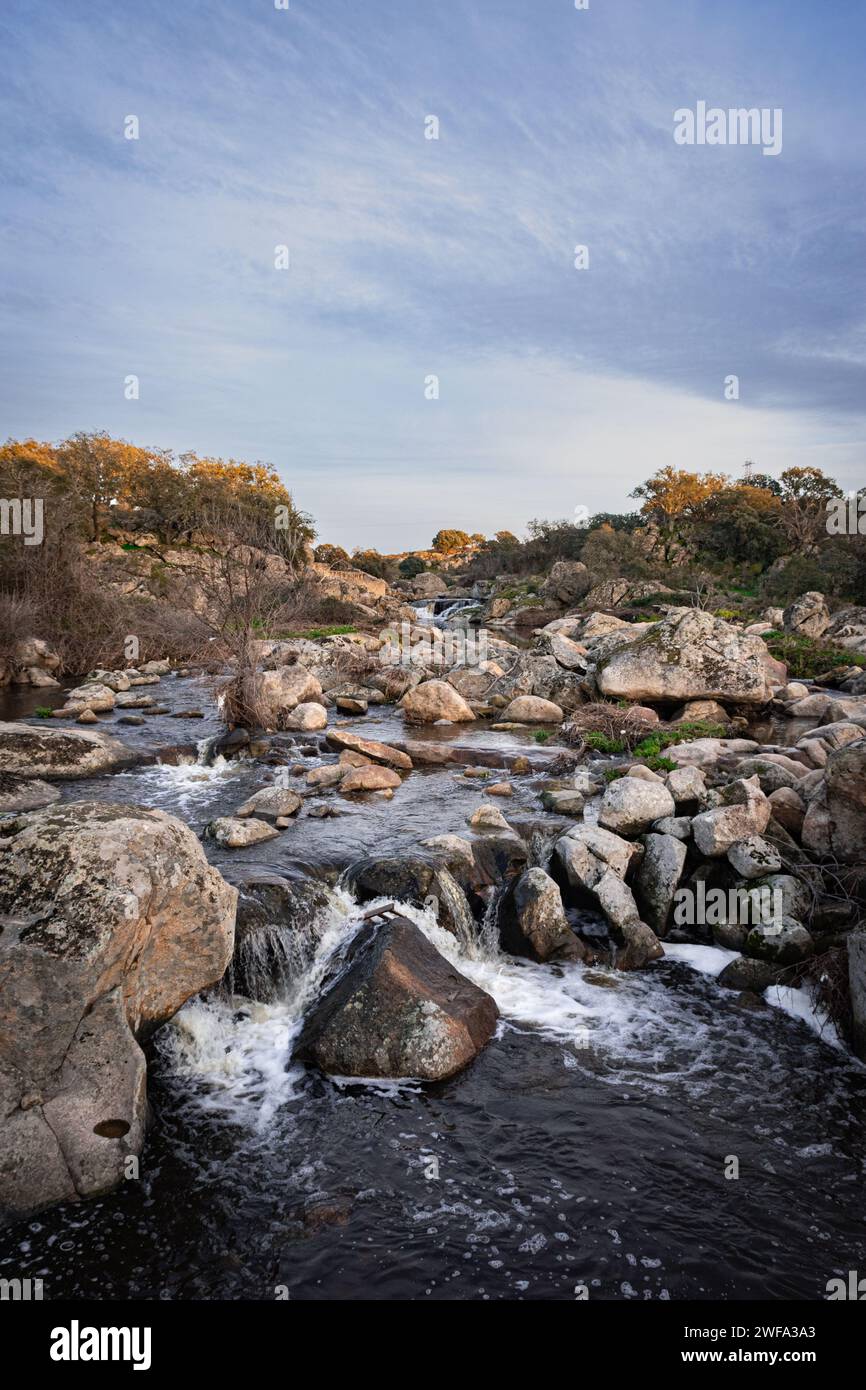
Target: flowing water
[{"x": 587, "y": 1145}]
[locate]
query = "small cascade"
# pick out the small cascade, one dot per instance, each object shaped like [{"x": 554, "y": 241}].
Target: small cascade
[
  {"x": 488, "y": 933},
  {"x": 234, "y": 1053},
  {"x": 458, "y": 606},
  {"x": 541, "y": 846},
  {"x": 451, "y": 894}
]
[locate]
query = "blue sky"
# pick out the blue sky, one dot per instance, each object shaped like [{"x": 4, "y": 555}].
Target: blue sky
[{"x": 409, "y": 257}]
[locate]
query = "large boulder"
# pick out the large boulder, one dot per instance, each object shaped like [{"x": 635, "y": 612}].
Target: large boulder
[
  {"x": 373, "y": 778},
  {"x": 434, "y": 700},
  {"x": 271, "y": 802},
  {"x": 276, "y": 693},
  {"x": 429, "y": 586},
  {"x": 397, "y": 1009},
  {"x": 567, "y": 582},
  {"x": 532, "y": 920},
  {"x": 690, "y": 655},
  {"x": 754, "y": 857},
  {"x": 34, "y": 663},
  {"x": 93, "y": 696},
  {"x": 807, "y": 616},
  {"x": 835, "y": 821},
  {"x": 51, "y": 753},
  {"x": 631, "y": 805},
  {"x": 111, "y": 918},
  {"x": 234, "y": 833}
]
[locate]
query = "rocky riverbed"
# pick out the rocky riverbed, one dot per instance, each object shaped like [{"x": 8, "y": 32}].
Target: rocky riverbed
[{"x": 444, "y": 1031}]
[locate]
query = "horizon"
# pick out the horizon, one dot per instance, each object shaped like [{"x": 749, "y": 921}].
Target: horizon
[{"x": 411, "y": 257}]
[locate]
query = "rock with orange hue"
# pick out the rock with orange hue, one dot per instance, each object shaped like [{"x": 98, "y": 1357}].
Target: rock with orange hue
[{"x": 111, "y": 919}]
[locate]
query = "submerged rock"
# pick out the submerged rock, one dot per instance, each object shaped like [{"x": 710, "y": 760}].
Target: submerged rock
[
  {"x": 370, "y": 779},
  {"x": 270, "y": 802},
  {"x": 232, "y": 833},
  {"x": 344, "y": 739},
  {"x": 397, "y": 1009},
  {"x": 111, "y": 918},
  {"x": 275, "y": 934}
]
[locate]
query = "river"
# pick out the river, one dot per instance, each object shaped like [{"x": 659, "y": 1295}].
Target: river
[{"x": 589, "y": 1145}]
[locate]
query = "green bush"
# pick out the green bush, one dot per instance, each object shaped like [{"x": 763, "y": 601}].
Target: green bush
[{"x": 807, "y": 658}]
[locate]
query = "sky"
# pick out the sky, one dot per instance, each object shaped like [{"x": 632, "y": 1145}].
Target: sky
[{"x": 411, "y": 258}]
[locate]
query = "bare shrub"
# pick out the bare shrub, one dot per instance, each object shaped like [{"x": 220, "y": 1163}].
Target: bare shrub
[{"x": 617, "y": 725}]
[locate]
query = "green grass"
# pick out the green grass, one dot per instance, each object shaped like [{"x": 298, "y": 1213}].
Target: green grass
[
  {"x": 657, "y": 764},
  {"x": 542, "y": 735},
  {"x": 807, "y": 658},
  {"x": 654, "y": 744},
  {"x": 313, "y": 634},
  {"x": 602, "y": 744},
  {"x": 43, "y": 712}
]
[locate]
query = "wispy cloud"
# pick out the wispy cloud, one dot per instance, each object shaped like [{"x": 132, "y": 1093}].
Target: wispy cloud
[{"x": 262, "y": 127}]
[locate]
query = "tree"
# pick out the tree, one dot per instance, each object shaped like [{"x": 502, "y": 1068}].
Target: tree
[
  {"x": 371, "y": 562},
  {"x": 805, "y": 494},
  {"x": 671, "y": 498},
  {"x": 740, "y": 524},
  {"x": 331, "y": 555},
  {"x": 447, "y": 542},
  {"x": 97, "y": 468},
  {"x": 411, "y": 566}
]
